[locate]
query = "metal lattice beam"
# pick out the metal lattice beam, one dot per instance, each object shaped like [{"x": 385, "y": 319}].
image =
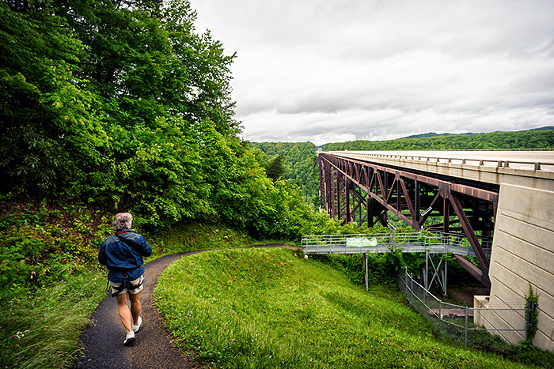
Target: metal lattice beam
[{"x": 348, "y": 186}]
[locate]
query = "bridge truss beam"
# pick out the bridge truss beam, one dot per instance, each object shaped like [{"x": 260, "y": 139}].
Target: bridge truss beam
[{"x": 363, "y": 192}]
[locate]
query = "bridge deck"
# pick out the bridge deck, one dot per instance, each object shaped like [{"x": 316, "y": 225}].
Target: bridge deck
[
  {"x": 523, "y": 160},
  {"x": 526, "y": 168}
]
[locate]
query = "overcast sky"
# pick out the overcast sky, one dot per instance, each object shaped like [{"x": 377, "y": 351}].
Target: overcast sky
[{"x": 341, "y": 70}]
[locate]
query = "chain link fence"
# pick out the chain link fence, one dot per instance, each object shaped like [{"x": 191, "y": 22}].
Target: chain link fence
[{"x": 463, "y": 324}]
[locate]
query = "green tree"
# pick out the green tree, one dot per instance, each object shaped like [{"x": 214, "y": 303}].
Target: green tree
[
  {"x": 130, "y": 109},
  {"x": 275, "y": 168},
  {"x": 46, "y": 114},
  {"x": 111, "y": 102},
  {"x": 300, "y": 164}
]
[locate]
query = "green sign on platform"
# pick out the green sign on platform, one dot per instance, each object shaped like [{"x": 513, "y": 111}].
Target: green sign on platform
[{"x": 361, "y": 242}]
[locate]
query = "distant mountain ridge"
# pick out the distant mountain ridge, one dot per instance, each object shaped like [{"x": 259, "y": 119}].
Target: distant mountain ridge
[
  {"x": 433, "y": 134},
  {"x": 537, "y": 138},
  {"x": 300, "y": 158}
]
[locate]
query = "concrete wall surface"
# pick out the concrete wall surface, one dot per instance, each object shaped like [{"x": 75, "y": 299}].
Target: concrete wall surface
[{"x": 523, "y": 255}]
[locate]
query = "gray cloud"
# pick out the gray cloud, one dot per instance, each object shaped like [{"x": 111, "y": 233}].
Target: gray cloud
[{"x": 328, "y": 71}]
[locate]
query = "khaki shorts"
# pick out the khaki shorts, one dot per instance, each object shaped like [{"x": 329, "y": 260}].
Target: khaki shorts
[{"x": 132, "y": 291}]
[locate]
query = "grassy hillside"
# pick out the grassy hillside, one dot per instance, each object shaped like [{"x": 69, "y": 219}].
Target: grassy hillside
[
  {"x": 270, "y": 308},
  {"x": 51, "y": 281}
]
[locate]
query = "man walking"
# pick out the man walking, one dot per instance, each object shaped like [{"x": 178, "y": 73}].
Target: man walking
[{"x": 122, "y": 253}]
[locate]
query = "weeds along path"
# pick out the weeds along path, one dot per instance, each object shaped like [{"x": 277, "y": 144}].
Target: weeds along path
[{"x": 103, "y": 338}]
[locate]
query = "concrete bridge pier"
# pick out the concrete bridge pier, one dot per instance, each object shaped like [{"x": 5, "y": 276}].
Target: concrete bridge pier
[{"x": 523, "y": 255}]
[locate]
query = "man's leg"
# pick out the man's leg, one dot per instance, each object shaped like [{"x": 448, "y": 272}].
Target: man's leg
[
  {"x": 135, "y": 307},
  {"x": 124, "y": 312}
]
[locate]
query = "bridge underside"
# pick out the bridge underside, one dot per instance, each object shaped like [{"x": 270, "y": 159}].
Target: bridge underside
[{"x": 362, "y": 192}]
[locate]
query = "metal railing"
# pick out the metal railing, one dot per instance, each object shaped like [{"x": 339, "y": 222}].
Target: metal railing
[
  {"x": 488, "y": 162},
  {"x": 387, "y": 242},
  {"x": 463, "y": 323}
]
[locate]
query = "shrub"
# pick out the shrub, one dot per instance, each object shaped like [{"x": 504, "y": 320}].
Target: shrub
[{"x": 39, "y": 242}]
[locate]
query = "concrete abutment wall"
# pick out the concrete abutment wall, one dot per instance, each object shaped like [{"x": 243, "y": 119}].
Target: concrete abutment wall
[{"x": 523, "y": 255}]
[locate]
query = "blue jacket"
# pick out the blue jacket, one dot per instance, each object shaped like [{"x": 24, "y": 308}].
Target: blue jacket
[{"x": 122, "y": 253}]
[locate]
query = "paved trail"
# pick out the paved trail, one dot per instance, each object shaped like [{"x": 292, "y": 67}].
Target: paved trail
[{"x": 103, "y": 338}]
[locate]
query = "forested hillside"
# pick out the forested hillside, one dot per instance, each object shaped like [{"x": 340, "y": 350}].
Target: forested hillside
[
  {"x": 299, "y": 165},
  {"x": 531, "y": 139}
]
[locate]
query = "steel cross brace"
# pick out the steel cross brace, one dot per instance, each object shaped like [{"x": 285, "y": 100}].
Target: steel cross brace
[{"x": 438, "y": 272}]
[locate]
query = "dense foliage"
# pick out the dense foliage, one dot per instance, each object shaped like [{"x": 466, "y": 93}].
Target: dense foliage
[
  {"x": 123, "y": 106},
  {"x": 39, "y": 245},
  {"x": 532, "y": 139},
  {"x": 300, "y": 165}
]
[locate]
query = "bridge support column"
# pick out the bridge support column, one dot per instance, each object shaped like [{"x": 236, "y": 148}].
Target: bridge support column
[
  {"x": 366, "y": 272},
  {"x": 523, "y": 256}
]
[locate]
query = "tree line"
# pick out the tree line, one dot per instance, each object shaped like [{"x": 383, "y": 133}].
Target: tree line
[
  {"x": 122, "y": 105},
  {"x": 542, "y": 138}
]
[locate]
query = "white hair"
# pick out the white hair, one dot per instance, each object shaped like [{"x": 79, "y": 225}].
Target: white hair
[{"x": 122, "y": 221}]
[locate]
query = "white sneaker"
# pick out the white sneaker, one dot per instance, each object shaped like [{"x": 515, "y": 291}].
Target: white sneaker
[
  {"x": 129, "y": 339},
  {"x": 136, "y": 327}
]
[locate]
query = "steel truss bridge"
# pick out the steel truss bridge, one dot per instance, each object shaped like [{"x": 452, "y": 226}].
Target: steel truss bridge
[
  {"x": 472, "y": 195},
  {"x": 360, "y": 191}
]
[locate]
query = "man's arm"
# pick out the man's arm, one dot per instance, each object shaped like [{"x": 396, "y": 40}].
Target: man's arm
[
  {"x": 102, "y": 254},
  {"x": 146, "y": 249}
]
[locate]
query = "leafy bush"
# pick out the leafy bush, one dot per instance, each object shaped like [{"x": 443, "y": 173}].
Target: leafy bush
[{"x": 40, "y": 242}]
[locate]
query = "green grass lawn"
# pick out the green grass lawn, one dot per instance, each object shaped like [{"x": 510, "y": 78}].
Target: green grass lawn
[{"x": 269, "y": 308}]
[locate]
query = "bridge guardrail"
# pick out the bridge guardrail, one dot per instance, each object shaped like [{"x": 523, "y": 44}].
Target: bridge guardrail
[{"x": 508, "y": 163}]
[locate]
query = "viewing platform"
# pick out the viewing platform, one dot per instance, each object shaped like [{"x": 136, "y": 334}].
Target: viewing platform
[{"x": 412, "y": 242}]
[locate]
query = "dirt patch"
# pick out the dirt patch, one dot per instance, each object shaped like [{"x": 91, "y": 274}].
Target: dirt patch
[{"x": 463, "y": 295}]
